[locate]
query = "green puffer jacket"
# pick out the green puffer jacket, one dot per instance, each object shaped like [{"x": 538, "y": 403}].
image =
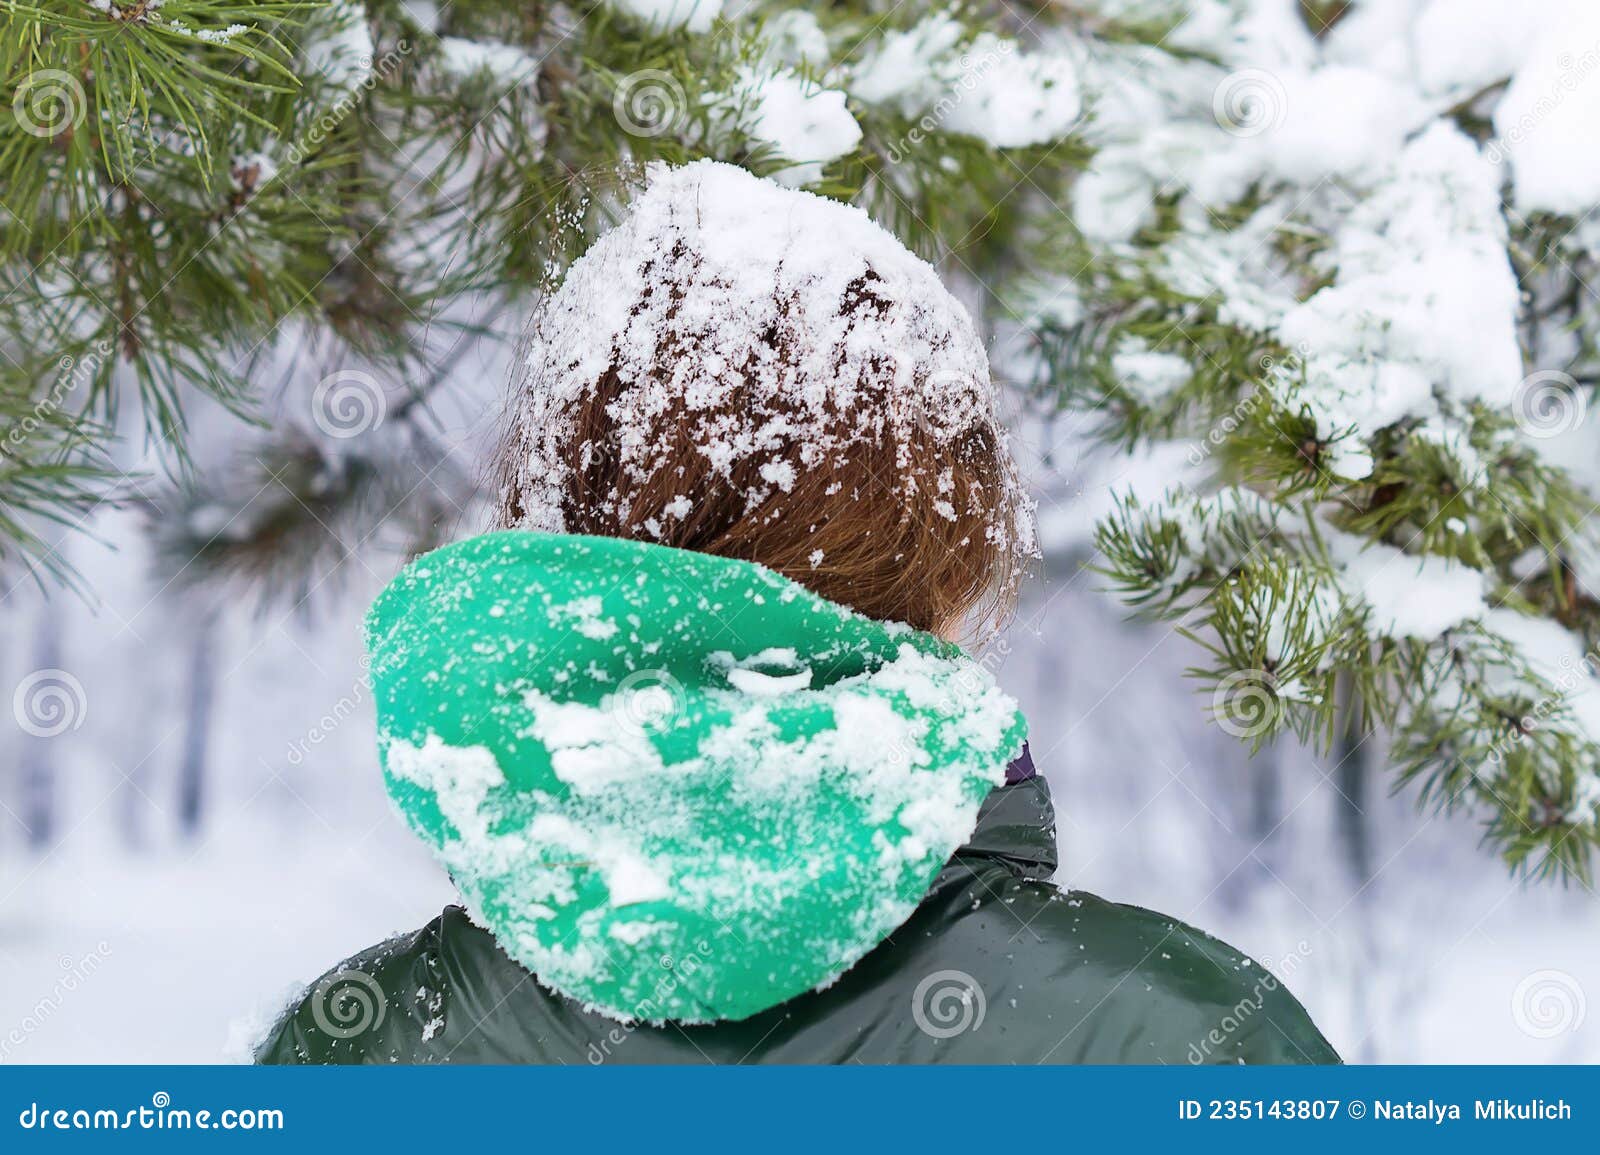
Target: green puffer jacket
[
  {"x": 995, "y": 966},
  {"x": 723, "y": 819}
]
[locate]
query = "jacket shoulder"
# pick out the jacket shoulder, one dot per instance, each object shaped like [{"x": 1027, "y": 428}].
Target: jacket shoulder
[
  {"x": 374, "y": 1007},
  {"x": 1079, "y": 979}
]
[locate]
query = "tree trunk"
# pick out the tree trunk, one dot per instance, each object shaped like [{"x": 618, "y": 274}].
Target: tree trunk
[
  {"x": 38, "y": 802},
  {"x": 1353, "y": 776},
  {"x": 199, "y": 701}
]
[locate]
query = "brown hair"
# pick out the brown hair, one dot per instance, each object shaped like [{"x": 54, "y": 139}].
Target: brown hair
[
  {"x": 848, "y": 531},
  {"x": 813, "y": 400}
]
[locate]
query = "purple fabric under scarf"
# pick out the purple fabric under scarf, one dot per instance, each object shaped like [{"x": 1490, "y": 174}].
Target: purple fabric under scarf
[{"x": 1021, "y": 768}]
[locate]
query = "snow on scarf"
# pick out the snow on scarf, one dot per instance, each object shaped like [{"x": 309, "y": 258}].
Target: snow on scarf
[{"x": 674, "y": 786}]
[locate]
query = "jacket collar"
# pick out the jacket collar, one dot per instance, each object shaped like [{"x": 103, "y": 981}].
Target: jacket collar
[{"x": 1018, "y": 823}]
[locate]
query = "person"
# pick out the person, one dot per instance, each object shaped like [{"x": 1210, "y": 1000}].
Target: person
[{"x": 689, "y": 729}]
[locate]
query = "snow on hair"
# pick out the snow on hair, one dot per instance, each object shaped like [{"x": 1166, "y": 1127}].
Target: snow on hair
[{"x": 763, "y": 373}]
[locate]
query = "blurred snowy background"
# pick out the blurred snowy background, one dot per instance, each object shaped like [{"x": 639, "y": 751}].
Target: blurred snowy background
[{"x": 191, "y": 816}]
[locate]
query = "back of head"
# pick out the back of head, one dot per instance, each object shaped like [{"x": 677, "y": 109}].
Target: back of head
[{"x": 760, "y": 373}]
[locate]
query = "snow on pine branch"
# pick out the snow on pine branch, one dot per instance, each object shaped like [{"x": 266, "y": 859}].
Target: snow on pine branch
[
  {"x": 358, "y": 178},
  {"x": 1345, "y": 261}
]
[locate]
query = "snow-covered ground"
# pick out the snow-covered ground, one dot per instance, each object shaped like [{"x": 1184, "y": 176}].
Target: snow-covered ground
[{"x": 124, "y": 943}]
